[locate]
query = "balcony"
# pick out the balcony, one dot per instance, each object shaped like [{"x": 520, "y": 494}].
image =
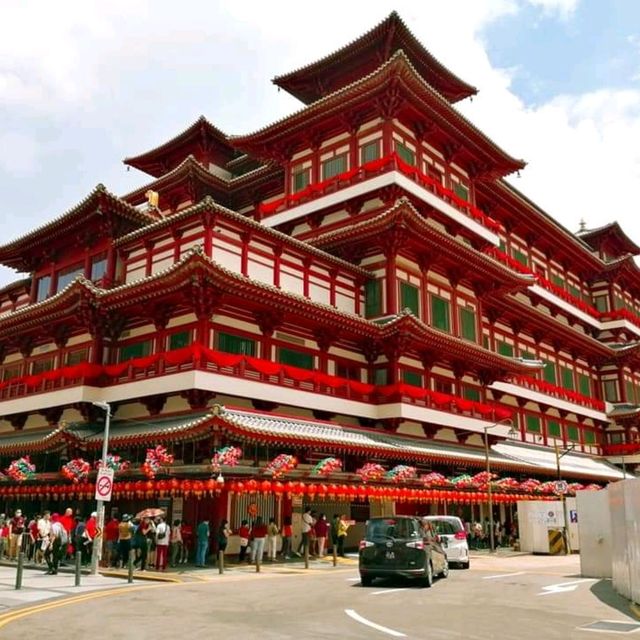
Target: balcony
[
  {"x": 373, "y": 175},
  {"x": 629, "y": 449}
]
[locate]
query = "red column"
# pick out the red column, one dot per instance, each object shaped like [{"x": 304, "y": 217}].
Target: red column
[
  {"x": 332, "y": 287},
  {"x": 391, "y": 286},
  {"x": 305, "y": 277},
  {"x": 387, "y": 136},
  {"x": 277, "y": 259}
]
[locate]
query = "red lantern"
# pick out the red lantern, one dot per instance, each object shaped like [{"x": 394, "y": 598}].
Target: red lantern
[
  {"x": 252, "y": 486},
  {"x": 240, "y": 488},
  {"x": 198, "y": 488},
  {"x": 312, "y": 489},
  {"x": 278, "y": 487},
  {"x": 186, "y": 487}
]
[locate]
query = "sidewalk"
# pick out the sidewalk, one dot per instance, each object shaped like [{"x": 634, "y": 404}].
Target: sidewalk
[{"x": 38, "y": 587}]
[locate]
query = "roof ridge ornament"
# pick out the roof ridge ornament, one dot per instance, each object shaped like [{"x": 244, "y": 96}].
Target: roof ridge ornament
[{"x": 217, "y": 409}]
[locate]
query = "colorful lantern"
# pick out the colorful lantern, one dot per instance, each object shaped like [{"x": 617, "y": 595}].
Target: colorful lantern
[
  {"x": 225, "y": 457},
  {"x": 281, "y": 465},
  {"x": 371, "y": 472},
  {"x": 21, "y": 469},
  {"x": 326, "y": 467},
  {"x": 76, "y": 470}
]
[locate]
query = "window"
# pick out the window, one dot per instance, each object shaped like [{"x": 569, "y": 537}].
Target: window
[
  {"x": 76, "y": 357},
  {"x": 554, "y": 430},
  {"x": 300, "y": 178},
  {"x": 557, "y": 280},
  {"x": 243, "y": 346},
  {"x": 611, "y": 391},
  {"x": 380, "y": 376},
  {"x": 11, "y": 372},
  {"x": 411, "y": 377},
  {"x": 549, "y": 372},
  {"x": 443, "y": 386},
  {"x": 471, "y": 393},
  {"x": 566, "y": 376},
  {"x": 505, "y": 349},
  {"x": 179, "y": 340},
  {"x": 440, "y": 313},
  {"x": 67, "y": 276},
  {"x": 42, "y": 288},
  {"x": 468, "y": 324},
  {"x": 631, "y": 391},
  {"x": 370, "y": 151},
  {"x": 295, "y": 358},
  {"x": 135, "y": 350},
  {"x": 404, "y": 153},
  {"x": 409, "y": 298},
  {"x": 573, "y": 433},
  {"x": 584, "y": 384},
  {"x": 527, "y": 355},
  {"x": 589, "y": 437},
  {"x": 334, "y": 166},
  {"x": 42, "y": 365},
  {"x": 520, "y": 257},
  {"x": 601, "y": 303},
  {"x": 348, "y": 371},
  {"x": 373, "y": 298},
  {"x": 461, "y": 191},
  {"x": 574, "y": 291},
  {"x": 618, "y": 302},
  {"x": 533, "y": 424},
  {"x": 502, "y": 246},
  {"x": 98, "y": 266}
]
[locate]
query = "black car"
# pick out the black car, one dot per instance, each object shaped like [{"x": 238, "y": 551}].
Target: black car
[{"x": 401, "y": 546}]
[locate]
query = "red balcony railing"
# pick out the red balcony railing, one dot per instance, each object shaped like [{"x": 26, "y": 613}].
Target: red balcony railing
[
  {"x": 358, "y": 174},
  {"x": 559, "y": 392},
  {"x": 621, "y": 449}
]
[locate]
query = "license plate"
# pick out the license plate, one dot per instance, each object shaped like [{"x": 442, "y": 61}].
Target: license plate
[{"x": 390, "y": 555}]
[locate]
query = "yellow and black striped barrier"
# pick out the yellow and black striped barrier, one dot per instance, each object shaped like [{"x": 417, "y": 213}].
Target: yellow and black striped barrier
[{"x": 556, "y": 542}]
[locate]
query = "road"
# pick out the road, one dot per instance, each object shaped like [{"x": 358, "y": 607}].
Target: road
[{"x": 498, "y": 598}]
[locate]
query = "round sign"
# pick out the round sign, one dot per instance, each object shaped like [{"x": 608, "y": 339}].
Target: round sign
[{"x": 104, "y": 486}]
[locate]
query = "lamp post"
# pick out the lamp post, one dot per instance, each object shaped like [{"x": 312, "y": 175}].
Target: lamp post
[
  {"x": 96, "y": 552},
  {"x": 565, "y": 528},
  {"x": 492, "y": 544}
]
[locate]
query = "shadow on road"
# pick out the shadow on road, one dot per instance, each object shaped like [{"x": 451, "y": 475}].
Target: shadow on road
[{"x": 603, "y": 590}]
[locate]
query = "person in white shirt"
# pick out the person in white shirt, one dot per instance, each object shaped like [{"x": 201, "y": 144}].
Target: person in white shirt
[
  {"x": 44, "y": 529},
  {"x": 162, "y": 544},
  {"x": 307, "y": 525}
]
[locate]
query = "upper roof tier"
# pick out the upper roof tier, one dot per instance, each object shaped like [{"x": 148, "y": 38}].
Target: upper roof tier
[
  {"x": 362, "y": 56},
  {"x": 201, "y": 139},
  {"x": 610, "y": 240}
]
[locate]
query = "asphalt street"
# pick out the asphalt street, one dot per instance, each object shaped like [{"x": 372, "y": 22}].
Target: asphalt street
[{"x": 517, "y": 598}]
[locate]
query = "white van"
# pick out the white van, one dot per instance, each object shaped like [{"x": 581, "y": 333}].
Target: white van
[{"x": 453, "y": 538}]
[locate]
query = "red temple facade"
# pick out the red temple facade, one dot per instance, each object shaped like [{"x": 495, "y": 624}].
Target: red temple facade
[{"x": 355, "y": 281}]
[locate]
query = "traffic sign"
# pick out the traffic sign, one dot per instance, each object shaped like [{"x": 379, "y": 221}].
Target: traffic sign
[
  {"x": 560, "y": 487},
  {"x": 104, "y": 485}
]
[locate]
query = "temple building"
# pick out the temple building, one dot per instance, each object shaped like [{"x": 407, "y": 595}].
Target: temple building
[{"x": 353, "y": 286}]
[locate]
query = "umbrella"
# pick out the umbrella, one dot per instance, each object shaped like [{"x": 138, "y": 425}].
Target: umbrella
[{"x": 150, "y": 513}]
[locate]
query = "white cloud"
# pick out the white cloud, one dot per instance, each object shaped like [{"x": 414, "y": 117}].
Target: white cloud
[
  {"x": 18, "y": 154},
  {"x": 561, "y": 8}
]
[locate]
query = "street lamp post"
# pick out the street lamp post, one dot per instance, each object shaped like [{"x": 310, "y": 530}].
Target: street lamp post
[
  {"x": 565, "y": 528},
  {"x": 492, "y": 544},
  {"x": 96, "y": 552}
]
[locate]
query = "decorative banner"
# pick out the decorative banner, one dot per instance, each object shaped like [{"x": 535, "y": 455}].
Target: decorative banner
[
  {"x": 401, "y": 473},
  {"x": 530, "y": 485},
  {"x": 155, "y": 459},
  {"x": 76, "y": 470},
  {"x": 434, "y": 479},
  {"x": 464, "y": 481},
  {"x": 327, "y": 466},
  {"x": 281, "y": 464},
  {"x": 114, "y": 462},
  {"x": 21, "y": 469},
  {"x": 225, "y": 457},
  {"x": 481, "y": 480},
  {"x": 507, "y": 484},
  {"x": 371, "y": 472}
]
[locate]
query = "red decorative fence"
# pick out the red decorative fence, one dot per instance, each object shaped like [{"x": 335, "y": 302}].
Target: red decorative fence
[
  {"x": 629, "y": 449},
  {"x": 559, "y": 392}
]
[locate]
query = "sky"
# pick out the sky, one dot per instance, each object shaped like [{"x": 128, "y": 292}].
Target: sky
[{"x": 85, "y": 84}]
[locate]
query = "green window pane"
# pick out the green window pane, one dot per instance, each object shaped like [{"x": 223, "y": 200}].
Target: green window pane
[
  {"x": 601, "y": 303},
  {"x": 557, "y": 280},
  {"x": 300, "y": 179},
  {"x": 461, "y": 191},
  {"x": 471, "y": 393},
  {"x": 42, "y": 365},
  {"x": 380, "y": 377},
  {"x": 505, "y": 349},
  {"x": 370, "y": 151},
  {"x": 527, "y": 355},
  {"x": 584, "y": 384},
  {"x": 567, "y": 378},
  {"x": 412, "y": 377},
  {"x": 179, "y": 340},
  {"x": 573, "y": 434},
  {"x": 409, "y": 298},
  {"x": 631, "y": 392},
  {"x": 618, "y": 302},
  {"x": 502, "y": 246},
  {"x": 295, "y": 358},
  {"x": 574, "y": 291},
  {"x": 440, "y": 313},
  {"x": 549, "y": 372},
  {"x": 521, "y": 257},
  {"x": 405, "y": 153},
  {"x": 236, "y": 344},
  {"x": 611, "y": 391},
  {"x": 135, "y": 350},
  {"x": 334, "y": 166},
  {"x": 468, "y": 324},
  {"x": 373, "y": 298},
  {"x": 485, "y": 341},
  {"x": 533, "y": 424},
  {"x": 589, "y": 437},
  {"x": 553, "y": 429}
]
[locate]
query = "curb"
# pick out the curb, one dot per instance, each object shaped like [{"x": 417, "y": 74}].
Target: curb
[
  {"x": 137, "y": 576},
  {"x": 635, "y": 609}
]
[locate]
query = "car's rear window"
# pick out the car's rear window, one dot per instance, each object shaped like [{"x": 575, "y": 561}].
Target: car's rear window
[
  {"x": 446, "y": 527},
  {"x": 392, "y": 528}
]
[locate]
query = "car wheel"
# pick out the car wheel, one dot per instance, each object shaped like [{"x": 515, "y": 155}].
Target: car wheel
[
  {"x": 366, "y": 581},
  {"x": 445, "y": 570},
  {"x": 464, "y": 565},
  {"x": 427, "y": 581}
]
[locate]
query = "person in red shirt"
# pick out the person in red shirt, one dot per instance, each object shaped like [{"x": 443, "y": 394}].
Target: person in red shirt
[
  {"x": 111, "y": 542},
  {"x": 243, "y": 533},
  {"x": 68, "y": 522},
  {"x": 287, "y": 533},
  {"x": 187, "y": 541},
  {"x": 258, "y": 535},
  {"x": 17, "y": 526},
  {"x": 90, "y": 530}
]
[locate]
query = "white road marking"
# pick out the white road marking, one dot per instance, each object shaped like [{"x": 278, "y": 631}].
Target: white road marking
[
  {"x": 564, "y": 587},
  {"x": 352, "y": 579},
  {"x": 504, "y": 575},
  {"x": 379, "y": 593},
  {"x": 358, "y": 618}
]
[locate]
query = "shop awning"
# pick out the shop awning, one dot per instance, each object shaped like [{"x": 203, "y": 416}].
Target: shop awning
[{"x": 571, "y": 464}]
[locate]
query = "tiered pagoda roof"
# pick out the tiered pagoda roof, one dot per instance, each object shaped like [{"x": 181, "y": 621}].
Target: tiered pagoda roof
[
  {"x": 611, "y": 239},
  {"x": 361, "y": 56}
]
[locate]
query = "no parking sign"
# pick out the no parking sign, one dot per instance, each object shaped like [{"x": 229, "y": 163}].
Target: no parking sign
[{"x": 104, "y": 484}]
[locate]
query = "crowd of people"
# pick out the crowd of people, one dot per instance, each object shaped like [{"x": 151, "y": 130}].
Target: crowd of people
[
  {"x": 151, "y": 542},
  {"x": 504, "y": 534}
]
